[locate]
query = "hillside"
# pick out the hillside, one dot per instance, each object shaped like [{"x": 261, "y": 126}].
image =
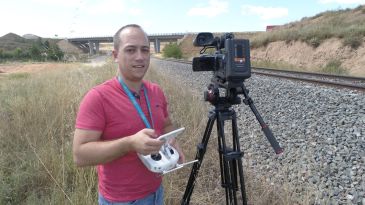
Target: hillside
[
  {"x": 30, "y": 36},
  {"x": 11, "y": 41},
  {"x": 32, "y": 47},
  {"x": 304, "y": 57},
  {"x": 311, "y": 44}
]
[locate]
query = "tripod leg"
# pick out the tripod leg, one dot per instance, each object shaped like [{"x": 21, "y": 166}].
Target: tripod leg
[
  {"x": 237, "y": 148},
  {"x": 224, "y": 164},
  {"x": 230, "y": 158},
  {"x": 202, "y": 147}
]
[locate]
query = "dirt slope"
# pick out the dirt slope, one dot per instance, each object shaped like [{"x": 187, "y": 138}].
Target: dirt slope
[{"x": 302, "y": 55}]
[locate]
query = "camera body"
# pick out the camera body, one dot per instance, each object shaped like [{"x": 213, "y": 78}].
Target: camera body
[{"x": 230, "y": 64}]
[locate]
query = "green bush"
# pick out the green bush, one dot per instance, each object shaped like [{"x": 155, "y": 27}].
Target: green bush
[
  {"x": 35, "y": 53},
  {"x": 172, "y": 50},
  {"x": 334, "y": 67}
]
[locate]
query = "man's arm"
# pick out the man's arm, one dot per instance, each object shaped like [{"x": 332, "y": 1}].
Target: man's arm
[{"x": 88, "y": 150}]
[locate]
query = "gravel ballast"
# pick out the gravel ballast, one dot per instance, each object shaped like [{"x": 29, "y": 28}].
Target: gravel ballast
[{"x": 322, "y": 130}]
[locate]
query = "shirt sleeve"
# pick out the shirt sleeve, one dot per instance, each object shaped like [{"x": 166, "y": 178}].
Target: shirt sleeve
[{"x": 91, "y": 115}]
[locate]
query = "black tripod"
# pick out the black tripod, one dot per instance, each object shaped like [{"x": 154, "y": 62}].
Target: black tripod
[{"x": 229, "y": 157}]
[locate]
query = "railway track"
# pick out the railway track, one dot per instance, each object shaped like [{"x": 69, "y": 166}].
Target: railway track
[{"x": 340, "y": 81}]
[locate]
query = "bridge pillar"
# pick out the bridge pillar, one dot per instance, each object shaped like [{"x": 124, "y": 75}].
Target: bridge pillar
[
  {"x": 91, "y": 48},
  {"x": 157, "y": 45},
  {"x": 97, "y": 47}
]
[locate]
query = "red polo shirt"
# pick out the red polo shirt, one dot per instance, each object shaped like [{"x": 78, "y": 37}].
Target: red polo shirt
[{"x": 107, "y": 108}]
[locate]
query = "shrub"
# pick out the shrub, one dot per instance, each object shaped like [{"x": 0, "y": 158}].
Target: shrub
[
  {"x": 354, "y": 41},
  {"x": 334, "y": 67},
  {"x": 314, "y": 42},
  {"x": 172, "y": 50},
  {"x": 55, "y": 53},
  {"x": 35, "y": 52}
]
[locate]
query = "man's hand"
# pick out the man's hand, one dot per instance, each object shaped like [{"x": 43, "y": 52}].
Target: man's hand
[
  {"x": 145, "y": 142},
  {"x": 176, "y": 145}
]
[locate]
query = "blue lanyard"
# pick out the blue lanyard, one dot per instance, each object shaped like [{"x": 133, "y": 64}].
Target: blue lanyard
[{"x": 136, "y": 105}]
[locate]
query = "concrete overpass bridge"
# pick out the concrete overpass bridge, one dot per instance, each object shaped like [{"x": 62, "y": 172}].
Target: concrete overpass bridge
[{"x": 92, "y": 44}]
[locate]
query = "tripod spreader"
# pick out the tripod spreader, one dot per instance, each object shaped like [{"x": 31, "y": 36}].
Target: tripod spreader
[{"x": 230, "y": 154}]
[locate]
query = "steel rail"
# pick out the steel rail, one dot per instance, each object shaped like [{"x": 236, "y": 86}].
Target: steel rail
[
  {"x": 353, "y": 78},
  {"x": 312, "y": 80}
]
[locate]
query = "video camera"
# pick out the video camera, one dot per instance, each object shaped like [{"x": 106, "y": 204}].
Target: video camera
[{"x": 230, "y": 63}]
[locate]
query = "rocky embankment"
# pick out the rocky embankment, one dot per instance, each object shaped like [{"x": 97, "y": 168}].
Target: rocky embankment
[{"x": 321, "y": 129}]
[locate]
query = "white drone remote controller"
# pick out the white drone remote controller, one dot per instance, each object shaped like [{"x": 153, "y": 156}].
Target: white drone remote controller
[{"x": 167, "y": 157}]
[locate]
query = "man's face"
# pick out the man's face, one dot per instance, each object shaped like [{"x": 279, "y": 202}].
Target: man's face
[{"x": 133, "y": 56}]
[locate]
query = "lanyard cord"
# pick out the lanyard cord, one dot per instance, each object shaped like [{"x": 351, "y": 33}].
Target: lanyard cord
[{"x": 136, "y": 105}]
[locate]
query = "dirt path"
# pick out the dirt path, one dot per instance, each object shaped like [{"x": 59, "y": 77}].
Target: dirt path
[{"x": 99, "y": 60}]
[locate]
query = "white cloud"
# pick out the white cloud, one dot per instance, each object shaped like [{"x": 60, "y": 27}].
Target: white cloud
[
  {"x": 264, "y": 13},
  {"x": 214, "y": 8},
  {"x": 342, "y": 1}
]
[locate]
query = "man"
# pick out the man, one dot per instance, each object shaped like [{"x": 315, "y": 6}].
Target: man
[{"x": 111, "y": 129}]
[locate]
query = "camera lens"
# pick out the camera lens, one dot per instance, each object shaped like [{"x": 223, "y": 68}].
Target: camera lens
[{"x": 201, "y": 40}]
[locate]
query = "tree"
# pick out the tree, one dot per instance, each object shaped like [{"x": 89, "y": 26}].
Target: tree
[
  {"x": 46, "y": 44},
  {"x": 172, "y": 50},
  {"x": 35, "y": 52},
  {"x": 18, "y": 53},
  {"x": 55, "y": 53}
]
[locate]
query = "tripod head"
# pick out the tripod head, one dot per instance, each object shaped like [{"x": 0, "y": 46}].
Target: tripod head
[{"x": 212, "y": 95}]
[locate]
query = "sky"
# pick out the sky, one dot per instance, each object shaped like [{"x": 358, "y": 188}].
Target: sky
[{"x": 94, "y": 18}]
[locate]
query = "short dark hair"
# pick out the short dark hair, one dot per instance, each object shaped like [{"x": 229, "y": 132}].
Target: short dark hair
[{"x": 116, "y": 37}]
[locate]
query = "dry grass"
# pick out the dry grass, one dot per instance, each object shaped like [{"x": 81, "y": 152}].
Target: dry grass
[
  {"x": 26, "y": 67},
  {"x": 37, "y": 116},
  {"x": 36, "y": 126},
  {"x": 344, "y": 24}
]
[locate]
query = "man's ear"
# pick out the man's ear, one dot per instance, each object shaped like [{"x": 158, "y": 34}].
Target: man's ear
[{"x": 115, "y": 55}]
